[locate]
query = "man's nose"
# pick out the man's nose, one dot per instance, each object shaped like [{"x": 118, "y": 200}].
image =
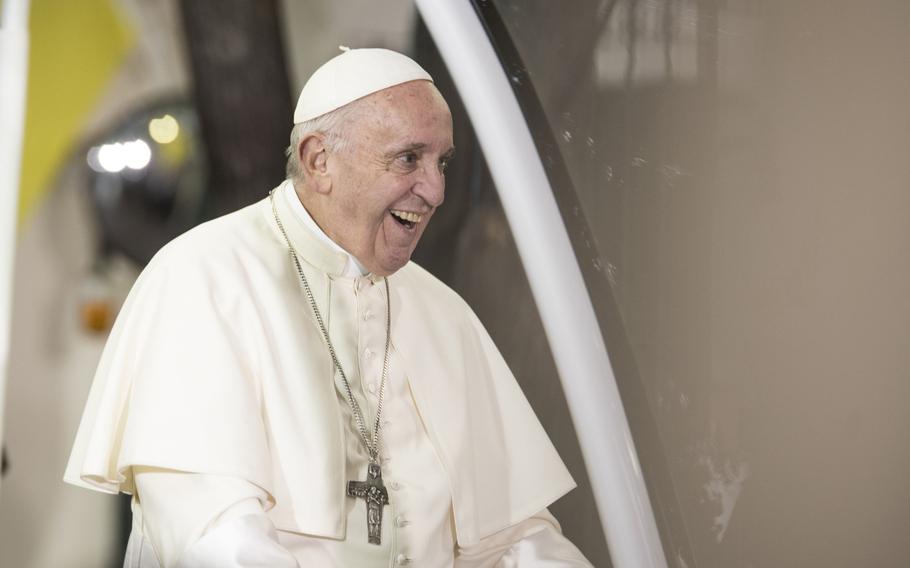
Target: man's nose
[{"x": 431, "y": 186}]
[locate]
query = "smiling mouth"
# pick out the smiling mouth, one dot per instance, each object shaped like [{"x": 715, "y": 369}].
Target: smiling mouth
[{"x": 406, "y": 219}]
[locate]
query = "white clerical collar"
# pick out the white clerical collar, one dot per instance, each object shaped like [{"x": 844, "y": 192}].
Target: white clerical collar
[{"x": 353, "y": 268}]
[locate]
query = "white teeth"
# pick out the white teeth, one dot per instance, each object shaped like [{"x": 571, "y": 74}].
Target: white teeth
[{"x": 407, "y": 215}]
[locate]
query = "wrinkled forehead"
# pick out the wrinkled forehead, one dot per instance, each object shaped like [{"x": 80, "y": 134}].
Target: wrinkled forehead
[
  {"x": 419, "y": 97},
  {"x": 414, "y": 110}
]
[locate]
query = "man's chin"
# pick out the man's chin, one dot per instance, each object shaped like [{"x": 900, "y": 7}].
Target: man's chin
[{"x": 390, "y": 265}]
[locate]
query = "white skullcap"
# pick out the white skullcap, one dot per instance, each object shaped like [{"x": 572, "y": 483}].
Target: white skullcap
[{"x": 354, "y": 74}]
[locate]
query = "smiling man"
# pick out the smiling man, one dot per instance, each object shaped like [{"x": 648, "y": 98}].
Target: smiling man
[
  {"x": 374, "y": 189},
  {"x": 285, "y": 388}
]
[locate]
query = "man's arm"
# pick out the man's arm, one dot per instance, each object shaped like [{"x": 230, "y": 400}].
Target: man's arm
[
  {"x": 207, "y": 521},
  {"x": 536, "y": 542}
]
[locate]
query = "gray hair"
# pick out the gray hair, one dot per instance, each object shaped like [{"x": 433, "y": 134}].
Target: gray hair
[{"x": 333, "y": 126}]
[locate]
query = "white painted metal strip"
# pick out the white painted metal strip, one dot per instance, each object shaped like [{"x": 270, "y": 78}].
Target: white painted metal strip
[
  {"x": 13, "y": 76},
  {"x": 556, "y": 282}
]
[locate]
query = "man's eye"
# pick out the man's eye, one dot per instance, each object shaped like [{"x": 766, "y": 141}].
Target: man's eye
[
  {"x": 408, "y": 159},
  {"x": 443, "y": 164}
]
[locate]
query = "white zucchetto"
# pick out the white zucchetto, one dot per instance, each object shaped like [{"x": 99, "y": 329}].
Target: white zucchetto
[{"x": 352, "y": 75}]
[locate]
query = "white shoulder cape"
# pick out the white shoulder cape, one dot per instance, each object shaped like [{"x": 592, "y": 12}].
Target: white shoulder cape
[{"x": 215, "y": 365}]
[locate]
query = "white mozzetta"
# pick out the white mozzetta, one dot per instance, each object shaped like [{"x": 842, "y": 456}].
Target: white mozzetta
[
  {"x": 556, "y": 282},
  {"x": 215, "y": 366}
]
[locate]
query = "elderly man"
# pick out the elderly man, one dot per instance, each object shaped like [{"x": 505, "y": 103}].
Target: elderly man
[{"x": 284, "y": 388}]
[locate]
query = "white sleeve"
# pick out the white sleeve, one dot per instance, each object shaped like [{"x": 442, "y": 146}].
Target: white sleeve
[
  {"x": 199, "y": 521},
  {"x": 536, "y": 542}
]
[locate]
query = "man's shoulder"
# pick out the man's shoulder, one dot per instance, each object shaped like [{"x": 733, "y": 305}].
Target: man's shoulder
[
  {"x": 215, "y": 264},
  {"x": 219, "y": 239}
]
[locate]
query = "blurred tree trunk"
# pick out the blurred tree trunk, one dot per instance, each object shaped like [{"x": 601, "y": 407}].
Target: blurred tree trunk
[{"x": 243, "y": 96}]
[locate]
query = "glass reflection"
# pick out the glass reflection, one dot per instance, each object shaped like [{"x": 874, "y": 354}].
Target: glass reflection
[{"x": 729, "y": 174}]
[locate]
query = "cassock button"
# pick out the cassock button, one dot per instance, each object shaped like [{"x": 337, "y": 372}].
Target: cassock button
[
  {"x": 367, "y": 315},
  {"x": 367, "y": 353},
  {"x": 372, "y": 388},
  {"x": 400, "y": 521},
  {"x": 394, "y": 486},
  {"x": 402, "y": 560}
]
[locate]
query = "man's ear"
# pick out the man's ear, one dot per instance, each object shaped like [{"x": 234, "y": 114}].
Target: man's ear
[{"x": 313, "y": 156}]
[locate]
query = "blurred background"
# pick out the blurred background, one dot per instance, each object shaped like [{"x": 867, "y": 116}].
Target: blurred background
[{"x": 734, "y": 176}]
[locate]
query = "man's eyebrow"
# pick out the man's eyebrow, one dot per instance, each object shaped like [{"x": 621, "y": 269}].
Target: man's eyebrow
[
  {"x": 415, "y": 147},
  {"x": 408, "y": 148}
]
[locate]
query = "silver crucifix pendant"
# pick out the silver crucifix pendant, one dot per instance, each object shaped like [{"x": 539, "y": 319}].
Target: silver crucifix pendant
[{"x": 374, "y": 493}]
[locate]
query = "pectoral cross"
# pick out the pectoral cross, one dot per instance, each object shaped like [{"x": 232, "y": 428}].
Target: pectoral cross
[{"x": 374, "y": 493}]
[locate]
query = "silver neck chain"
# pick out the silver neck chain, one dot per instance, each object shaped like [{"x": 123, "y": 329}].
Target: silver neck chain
[{"x": 370, "y": 441}]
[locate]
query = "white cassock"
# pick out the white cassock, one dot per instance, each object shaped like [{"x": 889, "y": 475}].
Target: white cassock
[{"x": 214, "y": 405}]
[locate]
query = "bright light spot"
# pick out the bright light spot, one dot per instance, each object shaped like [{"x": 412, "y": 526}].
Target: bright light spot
[
  {"x": 164, "y": 130},
  {"x": 137, "y": 154},
  {"x": 92, "y": 159},
  {"x": 111, "y": 158},
  {"x": 114, "y": 157}
]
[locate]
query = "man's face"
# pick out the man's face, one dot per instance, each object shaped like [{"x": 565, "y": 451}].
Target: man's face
[{"x": 388, "y": 182}]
